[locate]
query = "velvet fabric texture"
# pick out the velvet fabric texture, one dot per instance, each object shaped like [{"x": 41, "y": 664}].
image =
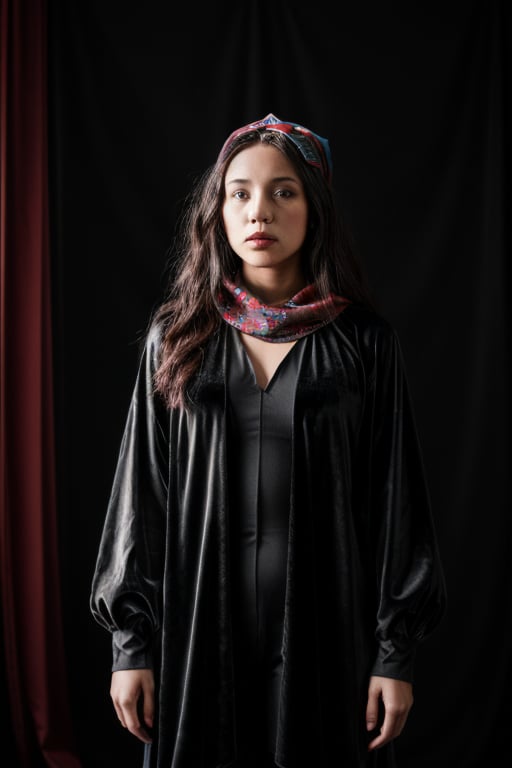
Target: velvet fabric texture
[{"x": 364, "y": 578}]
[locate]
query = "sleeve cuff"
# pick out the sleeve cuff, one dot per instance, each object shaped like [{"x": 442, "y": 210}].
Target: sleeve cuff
[
  {"x": 128, "y": 654},
  {"x": 394, "y": 662}
]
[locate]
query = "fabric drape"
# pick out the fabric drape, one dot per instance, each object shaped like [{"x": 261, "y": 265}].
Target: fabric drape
[
  {"x": 29, "y": 574},
  {"x": 364, "y": 584}
]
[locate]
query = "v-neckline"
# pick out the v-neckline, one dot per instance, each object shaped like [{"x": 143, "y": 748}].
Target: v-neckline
[{"x": 265, "y": 389}]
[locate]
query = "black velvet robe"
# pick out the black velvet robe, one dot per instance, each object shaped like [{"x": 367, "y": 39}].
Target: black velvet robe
[{"x": 364, "y": 577}]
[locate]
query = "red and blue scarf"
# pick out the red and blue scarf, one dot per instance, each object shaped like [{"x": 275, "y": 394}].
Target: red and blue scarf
[{"x": 301, "y": 315}]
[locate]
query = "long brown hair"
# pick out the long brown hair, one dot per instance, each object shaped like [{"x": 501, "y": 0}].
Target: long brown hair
[{"x": 201, "y": 258}]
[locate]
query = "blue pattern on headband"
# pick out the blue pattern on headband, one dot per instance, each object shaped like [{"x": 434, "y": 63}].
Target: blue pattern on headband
[{"x": 314, "y": 148}]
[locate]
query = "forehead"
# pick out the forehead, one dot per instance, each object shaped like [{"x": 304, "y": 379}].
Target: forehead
[{"x": 258, "y": 162}]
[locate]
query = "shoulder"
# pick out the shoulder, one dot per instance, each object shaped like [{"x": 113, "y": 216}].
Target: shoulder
[
  {"x": 154, "y": 333},
  {"x": 367, "y": 328},
  {"x": 152, "y": 342},
  {"x": 373, "y": 340}
]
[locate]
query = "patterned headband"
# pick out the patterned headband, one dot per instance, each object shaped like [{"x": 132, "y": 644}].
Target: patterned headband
[{"x": 314, "y": 148}]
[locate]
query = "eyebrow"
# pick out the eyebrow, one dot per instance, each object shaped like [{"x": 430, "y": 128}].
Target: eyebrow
[{"x": 277, "y": 179}]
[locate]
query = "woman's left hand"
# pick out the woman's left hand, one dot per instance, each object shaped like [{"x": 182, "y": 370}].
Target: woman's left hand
[{"x": 396, "y": 699}]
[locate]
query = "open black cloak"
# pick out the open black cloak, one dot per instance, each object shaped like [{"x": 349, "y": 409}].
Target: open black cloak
[{"x": 364, "y": 578}]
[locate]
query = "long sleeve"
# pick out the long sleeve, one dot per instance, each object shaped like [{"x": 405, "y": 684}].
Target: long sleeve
[
  {"x": 409, "y": 580},
  {"x": 126, "y": 588}
]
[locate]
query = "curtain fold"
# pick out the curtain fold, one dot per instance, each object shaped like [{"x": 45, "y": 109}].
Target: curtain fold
[{"x": 29, "y": 573}]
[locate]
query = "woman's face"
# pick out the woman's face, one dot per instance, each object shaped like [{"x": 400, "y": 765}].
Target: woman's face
[{"x": 265, "y": 211}]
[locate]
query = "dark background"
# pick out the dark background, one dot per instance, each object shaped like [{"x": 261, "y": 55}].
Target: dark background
[{"x": 414, "y": 98}]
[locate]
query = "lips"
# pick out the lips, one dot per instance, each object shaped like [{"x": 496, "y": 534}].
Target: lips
[{"x": 260, "y": 238}]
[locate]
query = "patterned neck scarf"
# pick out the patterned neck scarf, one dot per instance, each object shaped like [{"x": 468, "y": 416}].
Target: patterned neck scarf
[{"x": 301, "y": 315}]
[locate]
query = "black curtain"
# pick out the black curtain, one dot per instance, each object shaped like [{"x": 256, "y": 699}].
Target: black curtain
[{"x": 414, "y": 98}]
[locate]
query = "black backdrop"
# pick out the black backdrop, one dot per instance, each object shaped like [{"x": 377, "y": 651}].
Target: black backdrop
[{"x": 414, "y": 100}]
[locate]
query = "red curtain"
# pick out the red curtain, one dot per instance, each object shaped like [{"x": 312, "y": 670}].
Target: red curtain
[{"x": 29, "y": 574}]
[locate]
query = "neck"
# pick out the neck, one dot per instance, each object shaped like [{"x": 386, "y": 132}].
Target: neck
[{"x": 273, "y": 287}]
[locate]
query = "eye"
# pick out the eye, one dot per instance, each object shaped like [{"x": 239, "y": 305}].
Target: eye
[
  {"x": 283, "y": 193},
  {"x": 240, "y": 194}
]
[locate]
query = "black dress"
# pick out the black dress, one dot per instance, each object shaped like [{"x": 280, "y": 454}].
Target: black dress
[
  {"x": 259, "y": 450},
  {"x": 364, "y": 580}
]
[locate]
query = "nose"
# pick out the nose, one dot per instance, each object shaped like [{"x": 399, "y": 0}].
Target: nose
[{"x": 260, "y": 210}]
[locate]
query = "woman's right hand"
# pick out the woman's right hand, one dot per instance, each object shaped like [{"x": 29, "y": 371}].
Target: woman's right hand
[{"x": 133, "y": 692}]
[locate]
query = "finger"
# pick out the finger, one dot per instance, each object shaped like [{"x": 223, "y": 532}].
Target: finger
[
  {"x": 148, "y": 708},
  {"x": 372, "y": 711},
  {"x": 119, "y": 713},
  {"x": 141, "y": 733},
  {"x": 392, "y": 727},
  {"x": 133, "y": 724},
  {"x": 383, "y": 737},
  {"x": 125, "y": 705}
]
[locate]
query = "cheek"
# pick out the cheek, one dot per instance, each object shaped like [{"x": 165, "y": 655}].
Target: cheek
[
  {"x": 225, "y": 222},
  {"x": 227, "y": 218},
  {"x": 300, "y": 222},
  {"x": 229, "y": 224}
]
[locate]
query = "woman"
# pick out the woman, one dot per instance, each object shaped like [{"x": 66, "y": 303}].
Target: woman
[{"x": 268, "y": 563}]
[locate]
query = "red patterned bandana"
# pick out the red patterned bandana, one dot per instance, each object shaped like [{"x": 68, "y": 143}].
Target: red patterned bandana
[
  {"x": 301, "y": 315},
  {"x": 314, "y": 148}
]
